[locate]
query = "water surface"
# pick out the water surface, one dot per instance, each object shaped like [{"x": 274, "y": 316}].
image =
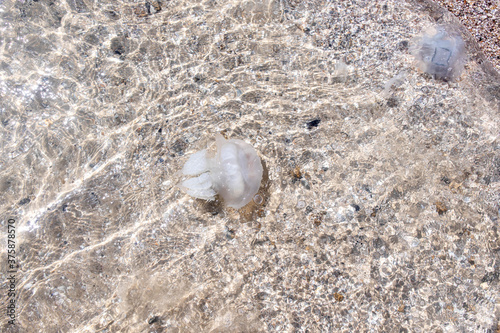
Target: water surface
[{"x": 380, "y": 206}]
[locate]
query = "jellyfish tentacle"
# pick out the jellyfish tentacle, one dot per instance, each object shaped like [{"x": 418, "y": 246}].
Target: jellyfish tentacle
[{"x": 200, "y": 187}]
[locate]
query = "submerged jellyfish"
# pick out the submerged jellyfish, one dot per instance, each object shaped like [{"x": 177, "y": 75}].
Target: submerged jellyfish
[
  {"x": 440, "y": 53},
  {"x": 234, "y": 172}
]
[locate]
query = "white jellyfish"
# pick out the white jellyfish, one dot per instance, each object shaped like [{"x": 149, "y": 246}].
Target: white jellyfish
[
  {"x": 234, "y": 172},
  {"x": 441, "y": 53}
]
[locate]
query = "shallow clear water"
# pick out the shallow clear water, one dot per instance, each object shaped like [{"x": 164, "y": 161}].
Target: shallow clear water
[{"x": 380, "y": 202}]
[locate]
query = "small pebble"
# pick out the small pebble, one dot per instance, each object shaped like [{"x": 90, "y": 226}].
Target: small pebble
[{"x": 313, "y": 123}]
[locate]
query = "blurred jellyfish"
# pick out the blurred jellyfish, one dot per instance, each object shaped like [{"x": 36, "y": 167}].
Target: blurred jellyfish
[{"x": 441, "y": 53}]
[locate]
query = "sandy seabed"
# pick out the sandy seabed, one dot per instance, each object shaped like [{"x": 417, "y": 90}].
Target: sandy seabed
[{"x": 379, "y": 208}]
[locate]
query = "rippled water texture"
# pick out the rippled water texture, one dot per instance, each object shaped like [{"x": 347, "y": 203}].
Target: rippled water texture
[{"x": 380, "y": 204}]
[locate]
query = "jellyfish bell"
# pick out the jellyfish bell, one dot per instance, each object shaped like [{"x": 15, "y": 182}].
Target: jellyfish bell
[
  {"x": 440, "y": 52},
  {"x": 234, "y": 172}
]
